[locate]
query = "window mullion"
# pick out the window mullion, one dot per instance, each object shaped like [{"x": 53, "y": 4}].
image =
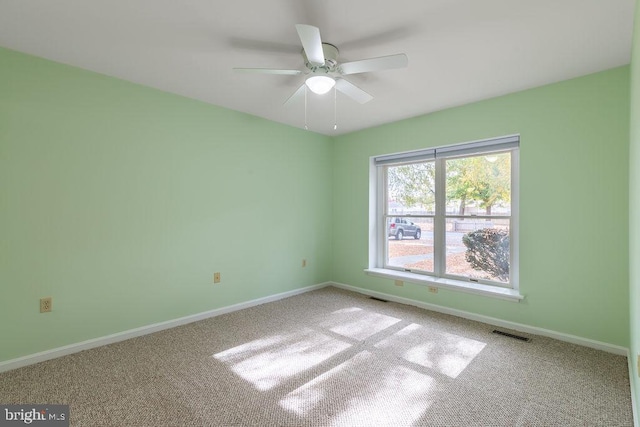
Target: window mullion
[{"x": 439, "y": 221}]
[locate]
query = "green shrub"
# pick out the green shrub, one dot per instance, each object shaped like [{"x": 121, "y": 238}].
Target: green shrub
[{"x": 488, "y": 251}]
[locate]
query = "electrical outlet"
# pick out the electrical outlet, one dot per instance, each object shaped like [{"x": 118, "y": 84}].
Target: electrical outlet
[
  {"x": 45, "y": 304},
  {"x": 398, "y": 283},
  {"x": 216, "y": 277},
  {"x": 304, "y": 263},
  {"x": 433, "y": 289}
]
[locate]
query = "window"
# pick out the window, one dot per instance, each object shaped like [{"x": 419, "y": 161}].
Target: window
[{"x": 448, "y": 214}]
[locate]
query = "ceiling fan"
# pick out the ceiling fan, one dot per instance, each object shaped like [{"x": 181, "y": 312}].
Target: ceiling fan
[{"x": 323, "y": 71}]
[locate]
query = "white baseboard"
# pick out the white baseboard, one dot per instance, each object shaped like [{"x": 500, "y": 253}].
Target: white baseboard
[
  {"x": 144, "y": 330},
  {"x": 632, "y": 380},
  {"x": 149, "y": 329},
  {"x": 609, "y": 348}
]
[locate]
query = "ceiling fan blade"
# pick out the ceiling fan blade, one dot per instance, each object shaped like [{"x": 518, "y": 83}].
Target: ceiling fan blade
[
  {"x": 353, "y": 91},
  {"x": 375, "y": 64},
  {"x": 268, "y": 71},
  {"x": 295, "y": 94},
  {"x": 311, "y": 42}
]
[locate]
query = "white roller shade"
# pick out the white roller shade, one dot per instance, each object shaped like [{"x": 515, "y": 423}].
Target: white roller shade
[
  {"x": 492, "y": 145},
  {"x": 406, "y": 157}
]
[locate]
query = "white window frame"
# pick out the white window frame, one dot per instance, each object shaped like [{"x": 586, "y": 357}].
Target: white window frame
[{"x": 439, "y": 279}]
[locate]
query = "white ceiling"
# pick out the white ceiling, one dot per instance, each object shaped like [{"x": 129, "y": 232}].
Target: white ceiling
[{"x": 459, "y": 51}]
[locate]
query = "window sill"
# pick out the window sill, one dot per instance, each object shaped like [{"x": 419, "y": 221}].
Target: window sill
[{"x": 456, "y": 285}]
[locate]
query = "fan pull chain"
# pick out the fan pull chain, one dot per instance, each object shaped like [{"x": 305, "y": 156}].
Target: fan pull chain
[
  {"x": 335, "y": 108},
  {"x": 305, "y": 108}
]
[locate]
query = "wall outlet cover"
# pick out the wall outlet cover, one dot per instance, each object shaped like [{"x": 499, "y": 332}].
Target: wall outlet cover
[{"x": 45, "y": 304}]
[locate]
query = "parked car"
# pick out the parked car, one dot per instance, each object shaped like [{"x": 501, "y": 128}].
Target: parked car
[{"x": 400, "y": 227}]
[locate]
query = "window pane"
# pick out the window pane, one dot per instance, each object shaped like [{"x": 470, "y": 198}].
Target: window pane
[
  {"x": 410, "y": 243},
  {"x": 411, "y": 189},
  {"x": 478, "y": 249},
  {"x": 479, "y": 185}
]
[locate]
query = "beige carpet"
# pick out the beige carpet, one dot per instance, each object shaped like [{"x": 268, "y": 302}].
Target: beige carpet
[{"x": 331, "y": 357}]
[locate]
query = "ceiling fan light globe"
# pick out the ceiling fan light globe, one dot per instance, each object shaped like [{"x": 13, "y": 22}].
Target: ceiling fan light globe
[{"x": 320, "y": 84}]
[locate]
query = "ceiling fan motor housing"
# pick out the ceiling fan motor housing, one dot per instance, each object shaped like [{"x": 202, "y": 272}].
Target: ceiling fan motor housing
[{"x": 330, "y": 59}]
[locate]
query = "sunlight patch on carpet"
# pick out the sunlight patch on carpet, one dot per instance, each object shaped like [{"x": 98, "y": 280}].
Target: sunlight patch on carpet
[
  {"x": 357, "y": 323},
  {"x": 390, "y": 394},
  {"x": 446, "y": 353},
  {"x": 267, "y": 362}
]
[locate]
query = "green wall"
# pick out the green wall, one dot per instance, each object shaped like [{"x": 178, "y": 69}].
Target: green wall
[
  {"x": 121, "y": 201},
  {"x": 574, "y": 202},
  {"x": 634, "y": 204}
]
